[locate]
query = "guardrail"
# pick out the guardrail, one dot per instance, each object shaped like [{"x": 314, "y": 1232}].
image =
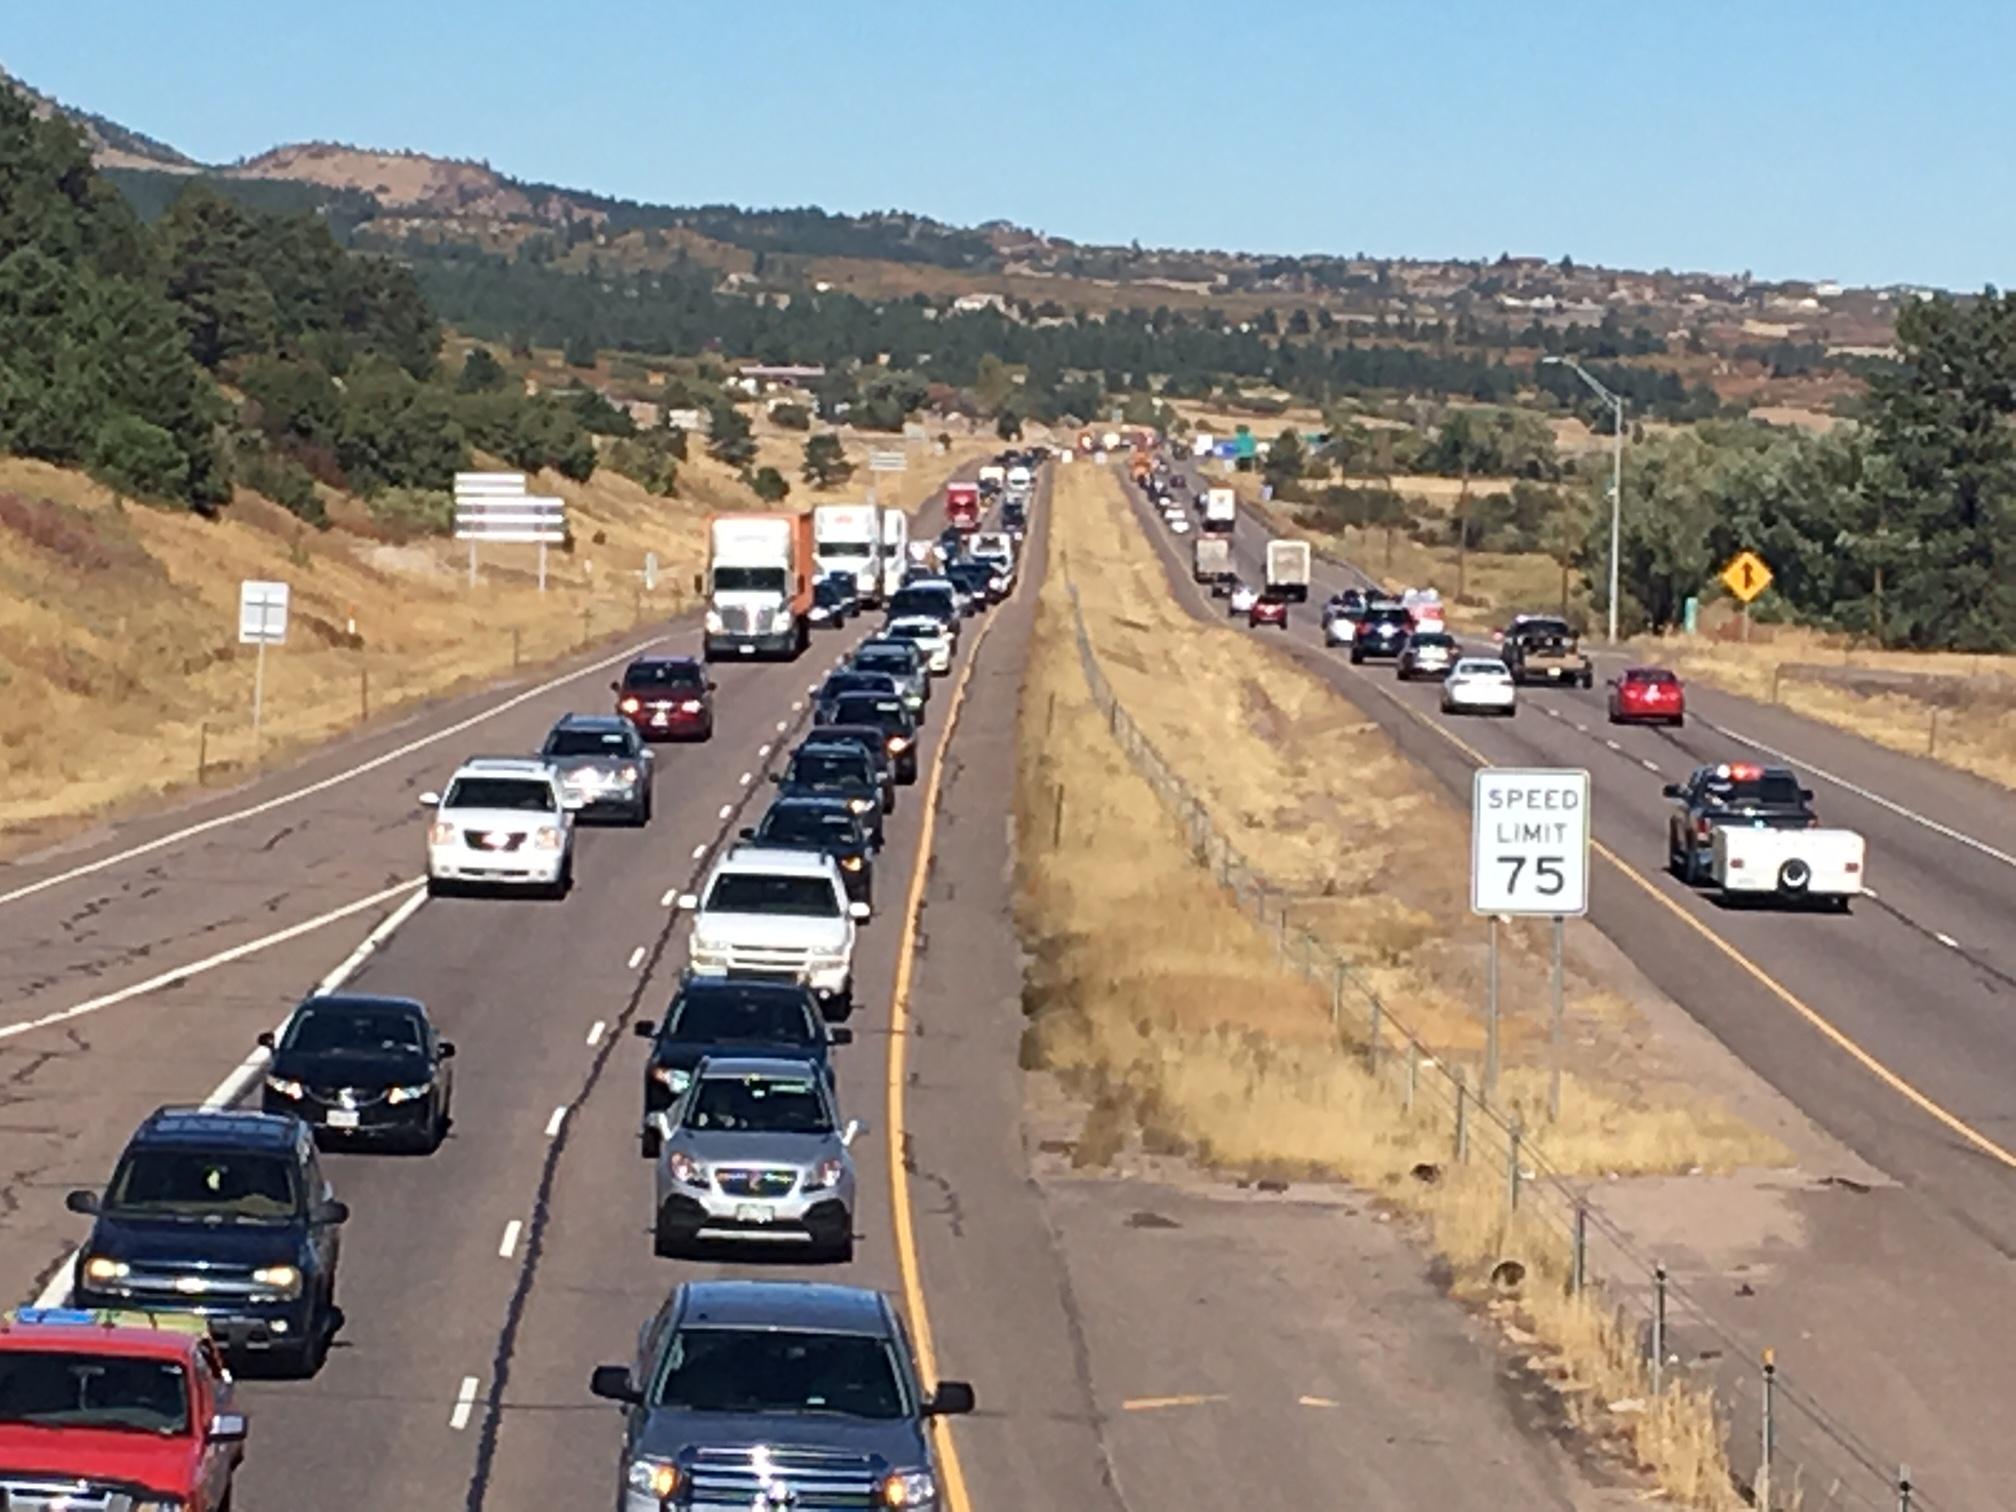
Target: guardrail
[{"x": 1785, "y": 1449}]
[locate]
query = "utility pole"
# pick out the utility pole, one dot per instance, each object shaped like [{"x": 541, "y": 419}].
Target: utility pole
[{"x": 1616, "y": 404}]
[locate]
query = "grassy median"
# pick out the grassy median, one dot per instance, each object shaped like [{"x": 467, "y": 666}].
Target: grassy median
[{"x": 1169, "y": 1009}]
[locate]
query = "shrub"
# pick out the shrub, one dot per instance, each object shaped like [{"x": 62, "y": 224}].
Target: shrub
[{"x": 138, "y": 457}]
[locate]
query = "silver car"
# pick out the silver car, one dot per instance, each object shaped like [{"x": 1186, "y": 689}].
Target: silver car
[
  {"x": 604, "y": 766},
  {"x": 1428, "y": 653},
  {"x": 754, "y": 1153}
]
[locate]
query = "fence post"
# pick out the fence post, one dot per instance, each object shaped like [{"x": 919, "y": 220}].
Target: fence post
[
  {"x": 1050, "y": 715},
  {"x": 1336, "y": 994},
  {"x": 1376, "y": 1033},
  {"x": 1578, "y": 1270},
  {"x": 203, "y": 754},
  {"x": 587, "y": 622},
  {"x": 1057, "y": 819},
  {"x": 515, "y": 633},
  {"x": 1413, "y": 1071},
  {"x": 1932, "y": 735},
  {"x": 1767, "y": 1437},
  {"x": 1777, "y": 672},
  {"x": 1658, "y": 1329},
  {"x": 1462, "y": 1114},
  {"x": 1512, "y": 1165},
  {"x": 364, "y": 692}
]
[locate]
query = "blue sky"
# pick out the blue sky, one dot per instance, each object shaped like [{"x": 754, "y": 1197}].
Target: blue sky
[{"x": 1857, "y": 140}]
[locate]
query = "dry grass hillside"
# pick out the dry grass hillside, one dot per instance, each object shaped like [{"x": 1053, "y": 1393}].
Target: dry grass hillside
[{"x": 120, "y": 670}]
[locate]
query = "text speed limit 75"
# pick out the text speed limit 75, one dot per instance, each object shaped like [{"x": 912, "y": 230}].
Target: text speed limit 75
[{"x": 1529, "y": 841}]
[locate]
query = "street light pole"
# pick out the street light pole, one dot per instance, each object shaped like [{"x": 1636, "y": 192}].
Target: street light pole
[{"x": 1616, "y": 473}]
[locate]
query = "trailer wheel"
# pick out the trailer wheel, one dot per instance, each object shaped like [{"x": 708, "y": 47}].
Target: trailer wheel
[{"x": 1795, "y": 876}]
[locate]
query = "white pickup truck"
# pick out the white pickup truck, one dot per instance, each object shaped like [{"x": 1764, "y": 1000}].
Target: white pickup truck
[
  {"x": 780, "y": 914},
  {"x": 1822, "y": 866}
]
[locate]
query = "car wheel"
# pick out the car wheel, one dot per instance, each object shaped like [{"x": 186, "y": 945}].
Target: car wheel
[
  {"x": 665, "y": 1241},
  {"x": 437, "y": 1131},
  {"x": 649, "y": 1143},
  {"x": 439, "y": 887},
  {"x": 840, "y": 1251},
  {"x": 1678, "y": 721},
  {"x": 644, "y": 812}
]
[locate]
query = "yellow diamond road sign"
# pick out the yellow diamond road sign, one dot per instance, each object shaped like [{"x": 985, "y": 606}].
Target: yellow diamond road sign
[{"x": 1746, "y": 576}]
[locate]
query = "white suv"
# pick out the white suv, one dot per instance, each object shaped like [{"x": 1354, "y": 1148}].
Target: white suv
[
  {"x": 502, "y": 822},
  {"x": 777, "y": 913}
]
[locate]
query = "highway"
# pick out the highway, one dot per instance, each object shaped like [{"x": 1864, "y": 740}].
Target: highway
[{"x": 1891, "y": 1029}]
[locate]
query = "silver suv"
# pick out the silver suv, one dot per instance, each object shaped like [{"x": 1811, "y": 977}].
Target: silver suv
[
  {"x": 754, "y": 1153},
  {"x": 776, "y": 1394}
]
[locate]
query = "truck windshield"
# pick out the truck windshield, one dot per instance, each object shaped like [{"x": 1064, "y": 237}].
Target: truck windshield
[
  {"x": 791, "y": 896},
  {"x": 843, "y": 548},
  {"x": 172, "y": 1183},
  {"x": 773, "y": 1370},
  {"x": 748, "y": 579},
  {"x": 1772, "y": 790},
  {"x": 61, "y": 1388},
  {"x": 500, "y": 793}
]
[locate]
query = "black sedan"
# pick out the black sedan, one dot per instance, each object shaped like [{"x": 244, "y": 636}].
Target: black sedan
[
  {"x": 835, "y": 771},
  {"x": 834, "y": 598},
  {"x": 727, "y": 1016},
  {"x": 979, "y": 581},
  {"x": 892, "y": 716},
  {"x": 849, "y": 680},
  {"x": 356, "y": 1067},
  {"x": 870, "y": 739},
  {"x": 829, "y": 826}
]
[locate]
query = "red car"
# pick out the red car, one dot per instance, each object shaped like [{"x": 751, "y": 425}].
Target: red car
[
  {"x": 1268, "y": 609},
  {"x": 666, "y": 698},
  {"x": 1647, "y": 695},
  {"x": 114, "y": 1410}
]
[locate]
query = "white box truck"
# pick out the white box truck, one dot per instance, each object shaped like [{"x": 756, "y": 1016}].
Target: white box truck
[
  {"x": 1288, "y": 570},
  {"x": 759, "y": 585},
  {"x": 1221, "y": 509},
  {"x": 895, "y": 551},
  {"x": 1211, "y": 559},
  {"x": 847, "y": 538}
]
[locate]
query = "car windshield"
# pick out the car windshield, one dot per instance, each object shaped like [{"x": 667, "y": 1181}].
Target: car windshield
[
  {"x": 1770, "y": 789},
  {"x": 354, "y": 1031},
  {"x": 590, "y": 743},
  {"x": 1396, "y": 618},
  {"x": 913, "y": 631},
  {"x": 1654, "y": 678},
  {"x": 762, "y": 893},
  {"x": 1473, "y": 667},
  {"x": 891, "y": 662},
  {"x": 662, "y": 675},
  {"x": 720, "y": 1018},
  {"x": 928, "y": 601},
  {"x": 1433, "y": 642},
  {"x": 748, "y": 579},
  {"x": 776, "y": 1371},
  {"x": 61, "y": 1388},
  {"x": 857, "y": 682},
  {"x": 804, "y": 823},
  {"x": 1544, "y": 630},
  {"x": 759, "y": 1105},
  {"x": 827, "y": 769},
  {"x": 244, "y": 1185},
  {"x": 516, "y": 793}
]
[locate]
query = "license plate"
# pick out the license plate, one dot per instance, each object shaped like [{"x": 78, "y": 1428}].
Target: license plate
[
  {"x": 752, "y": 1212},
  {"x": 661, "y": 719},
  {"x": 342, "y": 1118},
  {"x": 748, "y": 650}
]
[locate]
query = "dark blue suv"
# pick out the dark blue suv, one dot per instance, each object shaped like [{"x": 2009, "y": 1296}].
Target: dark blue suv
[{"x": 224, "y": 1215}]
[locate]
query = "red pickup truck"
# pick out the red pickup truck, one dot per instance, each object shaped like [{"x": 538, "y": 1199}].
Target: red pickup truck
[{"x": 114, "y": 1409}]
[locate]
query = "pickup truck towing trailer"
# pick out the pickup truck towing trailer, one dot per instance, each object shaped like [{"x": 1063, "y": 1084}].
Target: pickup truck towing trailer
[
  {"x": 1547, "y": 651},
  {"x": 1789, "y": 865}
]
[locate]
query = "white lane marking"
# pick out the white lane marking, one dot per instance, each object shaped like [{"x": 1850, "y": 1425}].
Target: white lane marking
[
  {"x": 178, "y": 974},
  {"x": 763, "y": 749},
  {"x": 508, "y": 1246},
  {"x": 1613, "y": 745},
  {"x": 595, "y": 1032},
  {"x": 553, "y": 1124},
  {"x": 785, "y": 724},
  {"x": 1649, "y": 764},
  {"x": 796, "y": 705},
  {"x": 1861, "y": 792},
  {"x": 236, "y": 816},
  {"x": 747, "y": 778},
  {"x": 636, "y": 960},
  {"x": 1551, "y": 713},
  {"x": 672, "y": 893},
  {"x": 1945, "y": 939},
  {"x": 698, "y": 852},
  {"x": 465, "y": 1403},
  {"x": 727, "y": 809},
  {"x": 1870, "y": 892},
  {"x": 1583, "y": 728}
]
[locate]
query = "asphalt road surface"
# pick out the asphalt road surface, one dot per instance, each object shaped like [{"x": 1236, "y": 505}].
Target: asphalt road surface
[{"x": 1891, "y": 1028}]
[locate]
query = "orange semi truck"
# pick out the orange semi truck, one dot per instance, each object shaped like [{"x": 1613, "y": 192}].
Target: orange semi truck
[{"x": 759, "y": 585}]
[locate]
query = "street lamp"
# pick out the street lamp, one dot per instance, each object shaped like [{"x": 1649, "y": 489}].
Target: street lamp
[{"x": 1616, "y": 472}]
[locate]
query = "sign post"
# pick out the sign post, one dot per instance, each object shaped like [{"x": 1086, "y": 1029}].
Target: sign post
[
  {"x": 884, "y": 460},
  {"x": 495, "y": 507},
  {"x": 262, "y": 622},
  {"x": 1746, "y": 576},
  {"x": 1529, "y": 856}
]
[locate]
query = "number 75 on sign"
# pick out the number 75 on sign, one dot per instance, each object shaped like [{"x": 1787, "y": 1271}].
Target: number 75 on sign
[{"x": 1529, "y": 841}]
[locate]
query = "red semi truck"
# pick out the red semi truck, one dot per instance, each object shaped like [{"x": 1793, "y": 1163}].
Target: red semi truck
[{"x": 962, "y": 506}]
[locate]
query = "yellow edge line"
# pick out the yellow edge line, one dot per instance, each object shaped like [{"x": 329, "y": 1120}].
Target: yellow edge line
[
  {"x": 1828, "y": 1030},
  {"x": 1153, "y": 1404},
  {"x": 899, "y": 1027}
]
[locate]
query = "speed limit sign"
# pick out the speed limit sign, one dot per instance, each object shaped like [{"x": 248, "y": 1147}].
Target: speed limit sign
[{"x": 1529, "y": 841}]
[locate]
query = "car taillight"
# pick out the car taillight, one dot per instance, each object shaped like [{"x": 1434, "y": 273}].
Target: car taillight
[
  {"x": 1852, "y": 866},
  {"x": 1735, "y": 863},
  {"x": 690, "y": 706},
  {"x": 1701, "y": 828}
]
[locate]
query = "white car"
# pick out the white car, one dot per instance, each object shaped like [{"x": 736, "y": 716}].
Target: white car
[
  {"x": 1178, "y": 525},
  {"x": 1479, "y": 685},
  {"x": 996, "y": 549},
  {"x": 1241, "y": 599},
  {"x": 502, "y": 822},
  {"x": 1339, "y": 629},
  {"x": 932, "y": 637},
  {"x": 764, "y": 912}
]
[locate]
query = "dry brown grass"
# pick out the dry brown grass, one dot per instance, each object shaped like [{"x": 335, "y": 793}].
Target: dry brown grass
[
  {"x": 118, "y": 653},
  {"x": 1957, "y": 709},
  {"x": 1167, "y": 1006}
]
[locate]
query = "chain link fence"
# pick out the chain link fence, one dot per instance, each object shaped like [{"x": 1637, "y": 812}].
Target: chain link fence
[{"x": 1785, "y": 1450}]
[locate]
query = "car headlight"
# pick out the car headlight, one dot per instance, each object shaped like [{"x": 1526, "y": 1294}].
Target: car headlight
[
  {"x": 547, "y": 837},
  {"x": 821, "y": 960},
  {"x": 285, "y": 1280},
  {"x": 628, "y": 776},
  {"x": 780, "y": 618},
  {"x": 908, "y": 1488},
  {"x": 686, "y": 1170},
  {"x": 824, "y": 1177},
  {"x": 440, "y": 834},
  {"x": 409, "y": 1094},
  {"x": 851, "y": 863},
  {"x": 655, "y": 1478},
  {"x": 287, "y": 1087},
  {"x": 898, "y": 744},
  {"x": 103, "y": 1268},
  {"x": 860, "y": 805},
  {"x": 675, "y": 1078},
  {"x": 714, "y": 621}
]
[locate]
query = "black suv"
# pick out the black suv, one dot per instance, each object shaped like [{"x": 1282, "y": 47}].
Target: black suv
[
  {"x": 776, "y": 1393},
  {"x": 224, "y": 1215},
  {"x": 892, "y": 717},
  {"x": 1381, "y": 632},
  {"x": 828, "y": 826},
  {"x": 1730, "y": 793},
  {"x": 728, "y": 1016},
  {"x": 840, "y": 771}
]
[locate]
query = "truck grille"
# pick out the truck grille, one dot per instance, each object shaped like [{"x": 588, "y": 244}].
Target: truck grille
[
  {"x": 763, "y": 1183},
  {"x": 739, "y": 619},
  {"x": 778, "y": 960},
  {"x": 493, "y": 840},
  {"x": 38, "y": 1495},
  {"x": 192, "y": 1282},
  {"x": 812, "y": 1480}
]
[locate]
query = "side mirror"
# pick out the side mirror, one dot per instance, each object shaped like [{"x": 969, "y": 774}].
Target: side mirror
[
  {"x": 612, "y": 1384},
  {"x": 645, "y": 1028},
  {"x": 854, "y": 1130},
  {"x": 746, "y": 833},
  {"x": 1671, "y": 790},
  {"x": 858, "y": 911},
  {"x": 839, "y": 1036},
  {"x": 951, "y": 1399},
  {"x": 1805, "y": 795},
  {"x": 688, "y": 902},
  {"x": 330, "y": 1211},
  {"x": 712, "y": 685},
  {"x": 430, "y": 800},
  {"x": 227, "y": 1428},
  {"x": 776, "y": 777},
  {"x": 615, "y": 687},
  {"x": 82, "y": 1202},
  {"x": 447, "y": 1049},
  {"x": 266, "y": 1039}
]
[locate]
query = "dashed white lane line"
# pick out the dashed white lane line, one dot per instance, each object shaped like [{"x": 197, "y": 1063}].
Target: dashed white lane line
[
  {"x": 595, "y": 1032},
  {"x": 508, "y": 1245},
  {"x": 636, "y": 958},
  {"x": 745, "y": 779},
  {"x": 785, "y": 724},
  {"x": 1648, "y": 763},
  {"x": 553, "y": 1124},
  {"x": 465, "y": 1403},
  {"x": 727, "y": 809},
  {"x": 1550, "y": 712},
  {"x": 1945, "y": 939},
  {"x": 672, "y": 893},
  {"x": 1583, "y": 728},
  {"x": 1613, "y": 745},
  {"x": 763, "y": 749}
]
